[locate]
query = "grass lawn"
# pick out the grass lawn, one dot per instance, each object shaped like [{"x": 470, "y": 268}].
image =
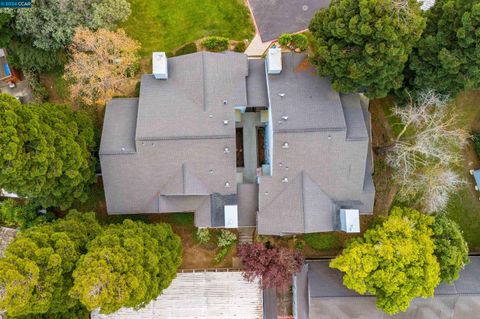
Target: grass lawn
[{"x": 163, "y": 25}]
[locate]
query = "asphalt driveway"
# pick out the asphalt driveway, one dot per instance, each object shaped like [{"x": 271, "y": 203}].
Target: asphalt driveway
[{"x": 274, "y": 17}]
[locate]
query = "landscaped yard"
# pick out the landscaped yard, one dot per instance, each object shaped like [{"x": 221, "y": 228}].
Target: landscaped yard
[
  {"x": 464, "y": 204},
  {"x": 167, "y": 24}
]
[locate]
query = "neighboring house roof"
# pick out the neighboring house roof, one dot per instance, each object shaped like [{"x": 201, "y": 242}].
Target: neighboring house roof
[
  {"x": 322, "y": 295},
  {"x": 201, "y": 295},
  {"x": 327, "y": 164}
]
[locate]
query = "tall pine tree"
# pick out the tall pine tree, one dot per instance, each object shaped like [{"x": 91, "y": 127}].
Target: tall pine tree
[
  {"x": 447, "y": 57},
  {"x": 45, "y": 152},
  {"x": 363, "y": 45}
]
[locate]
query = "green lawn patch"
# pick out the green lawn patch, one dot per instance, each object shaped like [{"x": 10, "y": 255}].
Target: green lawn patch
[
  {"x": 322, "y": 241},
  {"x": 182, "y": 219},
  {"x": 167, "y": 24},
  {"x": 464, "y": 208}
]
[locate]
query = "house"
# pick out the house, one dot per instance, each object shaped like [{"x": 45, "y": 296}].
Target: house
[
  {"x": 240, "y": 143},
  {"x": 319, "y": 293},
  {"x": 7, "y": 73},
  {"x": 200, "y": 295}
]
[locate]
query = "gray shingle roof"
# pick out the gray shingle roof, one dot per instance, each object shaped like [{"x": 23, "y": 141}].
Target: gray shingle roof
[
  {"x": 338, "y": 168},
  {"x": 256, "y": 84},
  {"x": 175, "y": 135},
  {"x": 322, "y": 288},
  {"x": 190, "y": 104},
  {"x": 118, "y": 135}
]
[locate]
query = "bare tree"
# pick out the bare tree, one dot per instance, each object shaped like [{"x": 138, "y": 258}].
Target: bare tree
[
  {"x": 429, "y": 144},
  {"x": 102, "y": 64}
]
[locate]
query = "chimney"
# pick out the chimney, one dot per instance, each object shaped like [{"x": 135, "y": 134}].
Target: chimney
[
  {"x": 160, "y": 67},
  {"x": 274, "y": 60}
]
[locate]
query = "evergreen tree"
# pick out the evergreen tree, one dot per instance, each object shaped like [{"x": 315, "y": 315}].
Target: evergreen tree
[
  {"x": 127, "y": 266},
  {"x": 36, "y": 272},
  {"x": 45, "y": 152},
  {"x": 363, "y": 45},
  {"x": 451, "y": 248},
  {"x": 447, "y": 57},
  {"x": 393, "y": 260}
]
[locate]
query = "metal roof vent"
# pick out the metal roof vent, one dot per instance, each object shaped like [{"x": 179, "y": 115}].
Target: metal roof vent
[
  {"x": 329, "y": 137},
  {"x": 123, "y": 149},
  {"x": 281, "y": 94},
  {"x": 285, "y": 180},
  {"x": 225, "y": 122},
  {"x": 285, "y": 117},
  {"x": 225, "y": 102},
  {"x": 211, "y": 171},
  {"x": 227, "y": 184},
  {"x": 160, "y": 65},
  {"x": 226, "y": 150},
  {"x": 285, "y": 145}
]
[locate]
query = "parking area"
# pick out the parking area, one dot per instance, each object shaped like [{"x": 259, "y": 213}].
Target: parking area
[{"x": 274, "y": 17}]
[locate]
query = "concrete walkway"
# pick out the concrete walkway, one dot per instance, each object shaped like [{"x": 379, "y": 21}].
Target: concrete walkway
[
  {"x": 250, "y": 122},
  {"x": 257, "y": 48}
]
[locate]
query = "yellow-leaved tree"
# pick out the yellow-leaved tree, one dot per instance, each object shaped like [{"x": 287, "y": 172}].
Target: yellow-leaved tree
[{"x": 102, "y": 65}]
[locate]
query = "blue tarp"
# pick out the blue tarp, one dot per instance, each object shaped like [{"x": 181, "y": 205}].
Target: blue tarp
[
  {"x": 476, "y": 175},
  {"x": 7, "y": 69}
]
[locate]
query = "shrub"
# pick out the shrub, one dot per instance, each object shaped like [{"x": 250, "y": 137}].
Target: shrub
[
  {"x": 186, "y": 49},
  {"x": 226, "y": 238},
  {"x": 202, "y": 235},
  {"x": 39, "y": 92},
  {"x": 322, "y": 241},
  {"x": 225, "y": 241},
  {"x": 285, "y": 39},
  {"x": 16, "y": 214},
  {"x": 215, "y": 44},
  {"x": 240, "y": 47},
  {"x": 300, "y": 41}
]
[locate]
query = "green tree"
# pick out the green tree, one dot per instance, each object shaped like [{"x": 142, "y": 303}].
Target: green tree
[
  {"x": 363, "y": 45},
  {"x": 22, "y": 214},
  {"x": 50, "y": 24},
  {"x": 36, "y": 272},
  {"x": 451, "y": 248},
  {"x": 447, "y": 57},
  {"x": 127, "y": 266},
  {"x": 6, "y": 31},
  {"x": 45, "y": 152},
  {"x": 26, "y": 57},
  {"x": 394, "y": 260}
]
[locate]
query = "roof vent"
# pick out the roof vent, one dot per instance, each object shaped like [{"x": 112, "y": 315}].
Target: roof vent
[
  {"x": 274, "y": 60},
  {"x": 329, "y": 137},
  {"x": 123, "y": 149},
  {"x": 285, "y": 145},
  {"x": 285, "y": 180},
  {"x": 350, "y": 220},
  {"x": 281, "y": 94},
  {"x": 160, "y": 67},
  {"x": 227, "y": 184},
  {"x": 225, "y": 102},
  {"x": 226, "y": 150},
  {"x": 285, "y": 117},
  {"x": 225, "y": 122}
]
